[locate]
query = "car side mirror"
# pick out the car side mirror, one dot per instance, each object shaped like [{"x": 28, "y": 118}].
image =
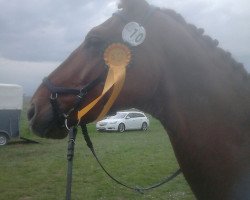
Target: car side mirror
[{"x": 127, "y": 117}]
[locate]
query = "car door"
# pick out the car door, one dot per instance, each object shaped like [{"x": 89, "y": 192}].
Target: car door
[
  {"x": 130, "y": 122},
  {"x": 138, "y": 120}
]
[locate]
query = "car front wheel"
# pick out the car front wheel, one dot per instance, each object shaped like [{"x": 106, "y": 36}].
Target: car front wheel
[
  {"x": 144, "y": 126},
  {"x": 121, "y": 128},
  {"x": 3, "y": 139}
]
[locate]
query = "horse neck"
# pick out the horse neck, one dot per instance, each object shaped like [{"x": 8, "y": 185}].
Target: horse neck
[
  {"x": 203, "y": 83},
  {"x": 197, "y": 75},
  {"x": 203, "y": 102},
  {"x": 205, "y": 107}
]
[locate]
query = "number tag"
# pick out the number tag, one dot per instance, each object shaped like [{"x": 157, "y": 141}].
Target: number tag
[{"x": 134, "y": 34}]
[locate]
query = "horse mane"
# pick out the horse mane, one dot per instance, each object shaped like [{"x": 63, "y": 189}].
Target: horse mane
[{"x": 198, "y": 33}]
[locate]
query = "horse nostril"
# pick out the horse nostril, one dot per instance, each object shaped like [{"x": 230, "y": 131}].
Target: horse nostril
[{"x": 31, "y": 112}]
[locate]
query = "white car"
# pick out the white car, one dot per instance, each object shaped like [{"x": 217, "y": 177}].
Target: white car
[{"x": 126, "y": 120}]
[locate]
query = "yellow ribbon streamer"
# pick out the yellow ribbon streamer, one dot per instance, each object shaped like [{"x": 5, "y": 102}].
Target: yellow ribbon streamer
[{"x": 117, "y": 56}]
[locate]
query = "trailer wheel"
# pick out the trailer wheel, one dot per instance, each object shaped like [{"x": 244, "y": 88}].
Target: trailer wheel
[{"x": 3, "y": 139}]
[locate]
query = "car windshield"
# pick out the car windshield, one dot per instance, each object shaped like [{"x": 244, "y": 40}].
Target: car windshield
[{"x": 118, "y": 116}]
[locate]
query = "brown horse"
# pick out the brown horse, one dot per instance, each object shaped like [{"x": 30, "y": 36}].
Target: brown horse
[{"x": 198, "y": 91}]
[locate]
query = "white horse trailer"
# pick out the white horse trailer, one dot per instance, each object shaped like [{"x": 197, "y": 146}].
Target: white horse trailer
[{"x": 11, "y": 104}]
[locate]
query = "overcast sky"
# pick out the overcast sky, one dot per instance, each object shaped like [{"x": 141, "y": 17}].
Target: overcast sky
[{"x": 36, "y": 36}]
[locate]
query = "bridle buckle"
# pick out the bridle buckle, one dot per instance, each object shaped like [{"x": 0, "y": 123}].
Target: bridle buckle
[
  {"x": 53, "y": 96},
  {"x": 66, "y": 124}
]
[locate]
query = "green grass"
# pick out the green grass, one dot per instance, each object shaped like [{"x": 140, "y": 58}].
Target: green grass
[{"x": 38, "y": 171}]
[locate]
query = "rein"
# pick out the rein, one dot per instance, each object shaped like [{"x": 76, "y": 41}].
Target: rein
[{"x": 70, "y": 155}]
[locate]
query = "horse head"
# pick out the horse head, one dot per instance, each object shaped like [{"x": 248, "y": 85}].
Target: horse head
[{"x": 87, "y": 63}]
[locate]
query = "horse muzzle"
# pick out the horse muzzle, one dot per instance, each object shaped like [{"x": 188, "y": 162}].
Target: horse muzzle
[{"x": 42, "y": 123}]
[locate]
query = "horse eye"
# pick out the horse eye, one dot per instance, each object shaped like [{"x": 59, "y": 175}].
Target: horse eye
[{"x": 93, "y": 43}]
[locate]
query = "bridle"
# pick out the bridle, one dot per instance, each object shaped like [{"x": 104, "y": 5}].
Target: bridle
[{"x": 62, "y": 117}]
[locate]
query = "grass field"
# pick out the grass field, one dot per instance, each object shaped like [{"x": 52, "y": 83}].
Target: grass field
[{"x": 38, "y": 171}]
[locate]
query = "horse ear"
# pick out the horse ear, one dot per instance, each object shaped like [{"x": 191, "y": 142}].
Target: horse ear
[
  {"x": 130, "y": 4},
  {"x": 123, "y": 4}
]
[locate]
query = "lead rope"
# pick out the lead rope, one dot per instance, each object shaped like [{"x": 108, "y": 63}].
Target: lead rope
[
  {"x": 140, "y": 190},
  {"x": 70, "y": 156}
]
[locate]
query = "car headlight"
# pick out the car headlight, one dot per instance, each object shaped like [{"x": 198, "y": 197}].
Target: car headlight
[{"x": 113, "y": 122}]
